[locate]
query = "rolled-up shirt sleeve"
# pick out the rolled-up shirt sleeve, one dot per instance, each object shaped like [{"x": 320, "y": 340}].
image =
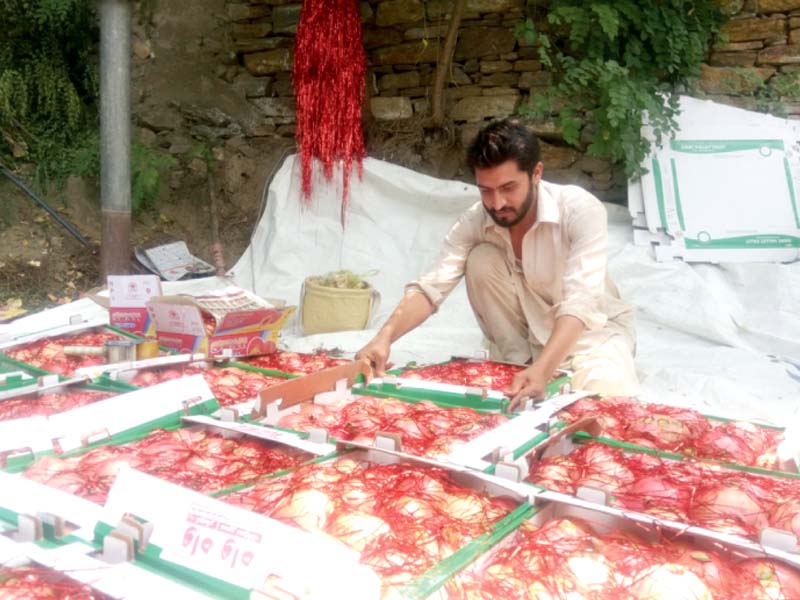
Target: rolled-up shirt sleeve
[
  {"x": 447, "y": 271},
  {"x": 583, "y": 284}
]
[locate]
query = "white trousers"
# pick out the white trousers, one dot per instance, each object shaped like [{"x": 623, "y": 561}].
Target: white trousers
[{"x": 510, "y": 314}]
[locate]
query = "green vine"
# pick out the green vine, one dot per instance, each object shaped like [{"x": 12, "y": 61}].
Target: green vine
[
  {"x": 48, "y": 78},
  {"x": 613, "y": 61}
]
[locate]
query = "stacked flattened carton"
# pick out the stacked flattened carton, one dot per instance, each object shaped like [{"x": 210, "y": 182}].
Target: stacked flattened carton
[{"x": 723, "y": 189}]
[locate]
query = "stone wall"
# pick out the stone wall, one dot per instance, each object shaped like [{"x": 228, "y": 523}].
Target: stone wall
[{"x": 491, "y": 74}]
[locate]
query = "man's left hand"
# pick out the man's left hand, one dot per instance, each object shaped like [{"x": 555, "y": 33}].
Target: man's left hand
[{"x": 529, "y": 383}]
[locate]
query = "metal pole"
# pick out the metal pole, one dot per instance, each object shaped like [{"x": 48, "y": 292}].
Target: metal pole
[{"x": 115, "y": 134}]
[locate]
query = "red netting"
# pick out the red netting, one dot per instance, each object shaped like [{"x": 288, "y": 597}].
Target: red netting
[
  {"x": 329, "y": 75},
  {"x": 402, "y": 519},
  {"x": 40, "y": 583},
  {"x": 483, "y": 374},
  {"x": 295, "y": 362},
  {"x": 199, "y": 460},
  {"x": 680, "y": 430},
  {"x": 426, "y": 429},
  {"x": 566, "y": 559},
  {"x": 48, "y": 353},
  {"x": 31, "y": 405},
  {"x": 229, "y": 384},
  {"x": 692, "y": 492}
]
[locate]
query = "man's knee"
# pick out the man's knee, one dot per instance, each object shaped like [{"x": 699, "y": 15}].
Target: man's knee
[
  {"x": 608, "y": 370},
  {"x": 485, "y": 262}
]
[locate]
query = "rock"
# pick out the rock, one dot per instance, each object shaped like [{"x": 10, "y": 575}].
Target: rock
[
  {"x": 479, "y": 107},
  {"x": 285, "y": 18},
  {"x": 176, "y": 179},
  {"x": 794, "y": 37},
  {"x": 499, "y": 91},
  {"x": 365, "y": 12},
  {"x": 731, "y": 7},
  {"x": 212, "y": 116},
  {"x": 378, "y": 38},
  {"x": 208, "y": 132},
  {"x": 458, "y": 77},
  {"x": 251, "y": 30},
  {"x": 235, "y": 172},
  {"x": 391, "y": 108},
  {"x": 473, "y": 8},
  {"x": 593, "y": 165},
  {"x": 527, "y": 65},
  {"x": 426, "y": 33},
  {"x": 159, "y": 118},
  {"x": 462, "y": 91},
  {"x": 739, "y": 46},
  {"x": 530, "y": 79},
  {"x": 476, "y": 42},
  {"x": 266, "y": 43},
  {"x": 399, "y": 80},
  {"x": 472, "y": 66},
  {"x": 180, "y": 144},
  {"x": 275, "y": 107},
  {"x": 568, "y": 177},
  {"x": 511, "y": 56},
  {"x": 141, "y": 49},
  {"x": 732, "y": 59},
  {"x": 545, "y": 129},
  {"x": 146, "y": 137},
  {"x": 198, "y": 166},
  {"x": 283, "y": 85},
  {"x": 239, "y": 145},
  {"x": 253, "y": 87},
  {"x": 416, "y": 92},
  {"x": 557, "y": 157},
  {"x": 395, "y": 12},
  {"x": 245, "y": 12},
  {"x": 742, "y": 30},
  {"x": 408, "y": 53},
  {"x": 729, "y": 80},
  {"x": 772, "y": 6},
  {"x": 468, "y": 133},
  {"x": 495, "y": 66},
  {"x": 779, "y": 55},
  {"x": 422, "y": 106},
  {"x": 271, "y": 61},
  {"x": 286, "y": 130},
  {"x": 499, "y": 79}
]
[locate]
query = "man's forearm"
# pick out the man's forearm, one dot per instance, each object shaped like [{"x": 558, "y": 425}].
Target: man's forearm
[
  {"x": 566, "y": 333},
  {"x": 412, "y": 311}
]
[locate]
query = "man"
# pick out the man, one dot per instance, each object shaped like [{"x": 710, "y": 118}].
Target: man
[{"x": 534, "y": 255}]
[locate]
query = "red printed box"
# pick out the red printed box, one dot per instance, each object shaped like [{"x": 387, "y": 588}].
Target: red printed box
[
  {"x": 229, "y": 323},
  {"x": 128, "y": 297}
]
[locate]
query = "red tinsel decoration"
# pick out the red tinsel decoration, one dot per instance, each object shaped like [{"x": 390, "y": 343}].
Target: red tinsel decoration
[{"x": 329, "y": 75}]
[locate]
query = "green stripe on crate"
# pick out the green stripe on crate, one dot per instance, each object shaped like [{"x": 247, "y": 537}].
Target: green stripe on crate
[
  {"x": 790, "y": 185},
  {"x": 717, "y": 146},
  {"x": 677, "y": 194},
  {"x": 271, "y": 372},
  {"x": 583, "y": 436},
  {"x": 747, "y": 241},
  {"x": 438, "y": 575},
  {"x": 150, "y": 560},
  {"x": 662, "y": 212}
]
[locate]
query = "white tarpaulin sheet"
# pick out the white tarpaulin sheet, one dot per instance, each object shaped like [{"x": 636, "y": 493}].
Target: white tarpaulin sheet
[
  {"x": 724, "y": 339},
  {"x": 720, "y": 338}
]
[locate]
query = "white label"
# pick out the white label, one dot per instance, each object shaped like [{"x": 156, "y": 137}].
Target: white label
[
  {"x": 265, "y": 433},
  {"x": 132, "y": 291},
  {"x": 129, "y": 410},
  {"x": 30, "y": 432},
  {"x": 177, "y": 318},
  {"x": 234, "y": 545}
]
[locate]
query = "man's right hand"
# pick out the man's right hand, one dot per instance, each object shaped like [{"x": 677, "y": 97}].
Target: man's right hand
[{"x": 377, "y": 353}]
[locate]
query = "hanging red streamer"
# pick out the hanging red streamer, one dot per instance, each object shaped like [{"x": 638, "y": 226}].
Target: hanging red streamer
[{"x": 329, "y": 75}]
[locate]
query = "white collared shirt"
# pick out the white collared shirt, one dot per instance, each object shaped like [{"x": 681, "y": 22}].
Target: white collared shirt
[{"x": 563, "y": 261}]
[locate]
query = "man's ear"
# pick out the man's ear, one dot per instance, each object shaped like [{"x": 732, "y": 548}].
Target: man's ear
[{"x": 536, "y": 177}]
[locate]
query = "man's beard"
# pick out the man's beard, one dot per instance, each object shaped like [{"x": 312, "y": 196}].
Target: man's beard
[{"x": 514, "y": 215}]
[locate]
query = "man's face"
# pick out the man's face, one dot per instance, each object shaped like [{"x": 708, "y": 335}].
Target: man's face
[{"x": 507, "y": 192}]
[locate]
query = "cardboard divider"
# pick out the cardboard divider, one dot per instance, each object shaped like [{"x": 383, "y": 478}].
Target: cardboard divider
[{"x": 304, "y": 389}]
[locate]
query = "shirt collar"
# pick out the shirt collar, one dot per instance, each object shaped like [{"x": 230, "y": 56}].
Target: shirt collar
[{"x": 546, "y": 210}]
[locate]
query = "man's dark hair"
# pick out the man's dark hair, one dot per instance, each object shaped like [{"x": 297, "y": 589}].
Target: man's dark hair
[{"x": 503, "y": 140}]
